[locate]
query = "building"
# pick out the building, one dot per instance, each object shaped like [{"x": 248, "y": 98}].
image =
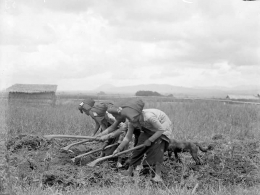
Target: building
[
  {"x": 32, "y": 93},
  {"x": 242, "y": 97}
]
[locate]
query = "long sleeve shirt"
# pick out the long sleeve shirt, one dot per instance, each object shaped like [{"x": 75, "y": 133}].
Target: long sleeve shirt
[
  {"x": 157, "y": 120},
  {"x": 153, "y": 120}
]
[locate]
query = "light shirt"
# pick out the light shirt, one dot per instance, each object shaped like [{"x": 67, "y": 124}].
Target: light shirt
[{"x": 156, "y": 120}]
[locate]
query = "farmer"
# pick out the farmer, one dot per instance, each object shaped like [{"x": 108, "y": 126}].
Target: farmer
[
  {"x": 155, "y": 135},
  {"x": 98, "y": 113},
  {"x": 112, "y": 131}
]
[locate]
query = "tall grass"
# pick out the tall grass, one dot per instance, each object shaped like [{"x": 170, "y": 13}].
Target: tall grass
[
  {"x": 65, "y": 119},
  {"x": 199, "y": 120},
  {"x": 196, "y": 120}
]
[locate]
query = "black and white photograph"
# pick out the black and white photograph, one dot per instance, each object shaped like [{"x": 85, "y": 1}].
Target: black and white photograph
[{"x": 129, "y": 97}]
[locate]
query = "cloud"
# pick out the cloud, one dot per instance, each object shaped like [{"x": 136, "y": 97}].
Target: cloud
[
  {"x": 130, "y": 42},
  {"x": 27, "y": 29},
  {"x": 68, "y": 6}
]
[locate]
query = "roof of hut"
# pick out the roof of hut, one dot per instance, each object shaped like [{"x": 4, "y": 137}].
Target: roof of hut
[{"x": 32, "y": 88}]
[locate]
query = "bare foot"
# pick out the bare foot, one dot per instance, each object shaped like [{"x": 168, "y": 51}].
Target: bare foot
[
  {"x": 157, "y": 178},
  {"x": 119, "y": 165}
]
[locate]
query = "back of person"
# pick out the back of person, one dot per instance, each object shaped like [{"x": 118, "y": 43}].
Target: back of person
[{"x": 154, "y": 114}]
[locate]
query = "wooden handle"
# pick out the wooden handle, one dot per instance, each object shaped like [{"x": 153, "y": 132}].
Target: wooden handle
[
  {"x": 93, "y": 151},
  {"x": 93, "y": 163},
  {"x": 68, "y": 136},
  {"x": 74, "y": 144}
]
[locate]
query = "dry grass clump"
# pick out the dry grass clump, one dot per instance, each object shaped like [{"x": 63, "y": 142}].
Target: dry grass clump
[
  {"x": 233, "y": 163},
  {"x": 35, "y": 159},
  {"x": 230, "y": 163},
  {"x": 29, "y": 142}
]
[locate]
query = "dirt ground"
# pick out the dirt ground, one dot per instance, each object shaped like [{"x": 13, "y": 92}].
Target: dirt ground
[{"x": 35, "y": 160}]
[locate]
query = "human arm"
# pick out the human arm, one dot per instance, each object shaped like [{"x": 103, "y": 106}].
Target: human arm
[
  {"x": 110, "y": 129},
  {"x": 155, "y": 123},
  {"x": 127, "y": 138},
  {"x": 97, "y": 126},
  {"x": 116, "y": 133}
]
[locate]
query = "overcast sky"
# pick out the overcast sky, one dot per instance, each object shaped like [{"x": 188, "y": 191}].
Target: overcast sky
[{"x": 82, "y": 44}]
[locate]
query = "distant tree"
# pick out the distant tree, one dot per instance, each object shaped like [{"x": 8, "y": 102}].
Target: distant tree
[
  {"x": 147, "y": 93},
  {"x": 101, "y": 93},
  {"x": 170, "y": 95}
]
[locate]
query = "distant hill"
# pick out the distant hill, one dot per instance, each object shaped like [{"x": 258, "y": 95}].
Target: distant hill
[
  {"x": 105, "y": 87},
  {"x": 215, "y": 91}
]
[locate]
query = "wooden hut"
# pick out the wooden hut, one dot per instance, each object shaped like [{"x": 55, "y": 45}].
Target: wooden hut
[{"x": 32, "y": 93}]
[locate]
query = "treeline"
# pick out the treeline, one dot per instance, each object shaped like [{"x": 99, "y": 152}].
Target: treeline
[{"x": 147, "y": 93}]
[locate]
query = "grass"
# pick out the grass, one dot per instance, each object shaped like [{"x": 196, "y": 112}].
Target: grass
[
  {"x": 193, "y": 120},
  {"x": 135, "y": 190},
  {"x": 197, "y": 120}
]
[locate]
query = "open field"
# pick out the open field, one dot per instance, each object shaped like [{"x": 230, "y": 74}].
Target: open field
[{"x": 193, "y": 121}]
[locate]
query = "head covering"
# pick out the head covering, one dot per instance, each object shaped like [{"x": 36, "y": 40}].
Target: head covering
[
  {"x": 86, "y": 104},
  {"x": 100, "y": 109},
  {"x": 99, "y": 112},
  {"x": 132, "y": 108},
  {"x": 114, "y": 110}
]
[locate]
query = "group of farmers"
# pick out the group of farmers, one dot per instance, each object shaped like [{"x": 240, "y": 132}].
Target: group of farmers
[{"x": 119, "y": 122}]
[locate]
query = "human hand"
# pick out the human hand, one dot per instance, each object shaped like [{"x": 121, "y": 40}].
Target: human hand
[
  {"x": 147, "y": 143},
  {"x": 105, "y": 137},
  {"x": 116, "y": 151},
  {"x": 97, "y": 137},
  {"x": 104, "y": 145}
]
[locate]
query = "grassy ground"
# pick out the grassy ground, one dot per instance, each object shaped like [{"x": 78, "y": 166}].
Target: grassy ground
[
  {"x": 196, "y": 120},
  {"x": 135, "y": 190},
  {"x": 193, "y": 120}
]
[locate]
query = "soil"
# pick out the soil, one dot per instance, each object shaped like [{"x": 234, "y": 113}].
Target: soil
[{"x": 35, "y": 160}]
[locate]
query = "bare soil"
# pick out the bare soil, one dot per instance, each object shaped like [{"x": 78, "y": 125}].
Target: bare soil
[{"x": 35, "y": 160}]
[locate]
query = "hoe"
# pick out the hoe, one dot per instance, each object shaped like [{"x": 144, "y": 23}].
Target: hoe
[
  {"x": 93, "y": 163},
  {"x": 93, "y": 151},
  {"x": 67, "y": 148},
  {"x": 68, "y": 136}
]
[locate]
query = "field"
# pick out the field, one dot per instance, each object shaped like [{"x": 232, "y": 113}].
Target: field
[{"x": 238, "y": 125}]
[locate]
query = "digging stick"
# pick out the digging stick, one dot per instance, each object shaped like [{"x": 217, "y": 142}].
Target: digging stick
[
  {"x": 93, "y": 151},
  {"x": 93, "y": 163},
  {"x": 74, "y": 144},
  {"x": 69, "y": 136}
]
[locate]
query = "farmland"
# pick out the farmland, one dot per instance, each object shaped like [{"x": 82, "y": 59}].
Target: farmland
[{"x": 200, "y": 121}]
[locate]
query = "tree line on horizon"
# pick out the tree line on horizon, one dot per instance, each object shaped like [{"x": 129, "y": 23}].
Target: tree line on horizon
[{"x": 147, "y": 93}]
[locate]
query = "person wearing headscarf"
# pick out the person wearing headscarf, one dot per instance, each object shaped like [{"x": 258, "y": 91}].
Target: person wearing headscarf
[
  {"x": 103, "y": 120},
  {"x": 118, "y": 129},
  {"x": 98, "y": 112},
  {"x": 116, "y": 112},
  {"x": 156, "y": 132}
]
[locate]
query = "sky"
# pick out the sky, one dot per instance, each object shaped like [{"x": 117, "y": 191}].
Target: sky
[{"x": 83, "y": 44}]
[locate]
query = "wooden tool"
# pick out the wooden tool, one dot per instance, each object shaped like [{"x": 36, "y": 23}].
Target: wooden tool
[
  {"x": 93, "y": 151},
  {"x": 69, "y": 136},
  {"x": 93, "y": 163},
  {"x": 67, "y": 148}
]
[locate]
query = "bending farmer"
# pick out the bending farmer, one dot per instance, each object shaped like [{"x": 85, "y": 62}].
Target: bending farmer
[{"x": 155, "y": 135}]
